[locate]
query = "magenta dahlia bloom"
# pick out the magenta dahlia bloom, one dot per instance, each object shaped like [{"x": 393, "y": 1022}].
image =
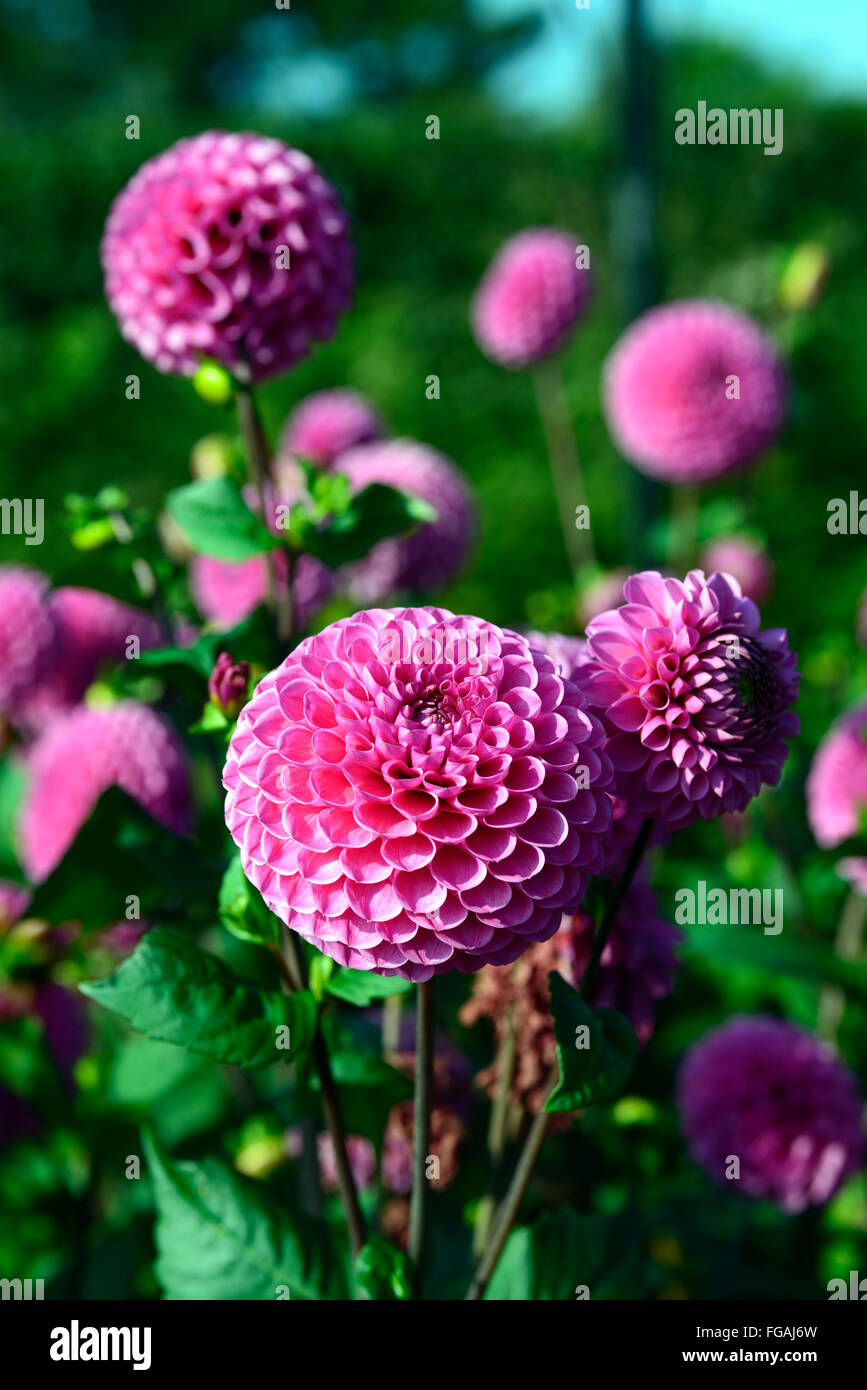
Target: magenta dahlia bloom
[
  {"x": 407, "y": 792},
  {"x": 79, "y": 757},
  {"x": 530, "y": 297},
  {"x": 433, "y": 554},
  {"x": 695, "y": 697},
  {"x": 837, "y": 781},
  {"x": 672, "y": 406},
  {"x": 28, "y": 634},
  {"x": 230, "y": 246},
  {"x": 746, "y": 559},
  {"x": 328, "y": 423},
  {"x": 780, "y": 1101}
]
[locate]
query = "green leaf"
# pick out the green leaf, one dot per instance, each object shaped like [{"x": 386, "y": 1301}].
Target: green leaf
[
  {"x": 375, "y": 512},
  {"x": 361, "y": 987},
  {"x": 594, "y": 1073},
  {"x": 221, "y": 1237},
  {"x": 171, "y": 990},
  {"x": 567, "y": 1256},
  {"x": 212, "y": 721},
  {"x": 13, "y": 783},
  {"x": 321, "y": 970},
  {"x": 242, "y": 911},
  {"x": 215, "y": 518},
  {"x": 383, "y": 1272}
]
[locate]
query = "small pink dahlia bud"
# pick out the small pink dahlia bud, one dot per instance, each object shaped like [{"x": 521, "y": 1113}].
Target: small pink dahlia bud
[
  {"x": 415, "y": 792},
  {"x": 328, "y": 423},
  {"x": 79, "y": 757},
  {"x": 695, "y": 697},
  {"x": 746, "y": 559},
  {"x": 837, "y": 781},
  {"x": 779, "y": 1101},
  {"x": 230, "y": 246},
  {"x": 530, "y": 297},
  {"x": 432, "y": 555},
  {"x": 694, "y": 390},
  {"x": 28, "y": 634},
  {"x": 227, "y": 684}
]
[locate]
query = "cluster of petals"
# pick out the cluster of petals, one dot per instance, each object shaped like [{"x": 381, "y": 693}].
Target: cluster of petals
[
  {"x": 415, "y": 792},
  {"x": 695, "y": 697},
  {"x": 326, "y": 424}
]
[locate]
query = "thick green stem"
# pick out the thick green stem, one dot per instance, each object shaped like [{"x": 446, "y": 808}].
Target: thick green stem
[{"x": 424, "y": 1057}]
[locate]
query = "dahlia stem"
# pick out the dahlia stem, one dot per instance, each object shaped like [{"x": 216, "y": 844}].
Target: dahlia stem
[
  {"x": 292, "y": 968},
  {"x": 279, "y": 597},
  {"x": 505, "y": 1067},
  {"x": 511, "y": 1204},
  {"x": 615, "y": 902},
  {"x": 421, "y": 1128},
  {"x": 683, "y": 534},
  {"x": 565, "y": 461},
  {"x": 848, "y": 944}
]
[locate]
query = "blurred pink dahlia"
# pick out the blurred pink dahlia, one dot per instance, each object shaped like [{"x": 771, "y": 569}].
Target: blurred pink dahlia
[
  {"x": 780, "y": 1101},
  {"x": 230, "y": 246},
  {"x": 746, "y": 559},
  {"x": 79, "y": 757},
  {"x": 530, "y": 297},
  {"x": 695, "y": 697},
  {"x": 415, "y": 792},
  {"x": 673, "y": 407},
  {"x": 431, "y": 556},
  {"x": 328, "y": 423},
  {"x": 837, "y": 782},
  {"x": 567, "y": 653},
  {"x": 28, "y": 634},
  {"x": 603, "y": 592}
]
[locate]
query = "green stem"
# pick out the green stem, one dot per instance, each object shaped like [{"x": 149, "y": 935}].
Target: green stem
[
  {"x": 424, "y": 1055},
  {"x": 279, "y": 596},
  {"x": 565, "y": 462},
  {"x": 615, "y": 902}
]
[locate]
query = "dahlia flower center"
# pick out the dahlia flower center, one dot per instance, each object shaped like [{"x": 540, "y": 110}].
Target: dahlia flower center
[{"x": 751, "y": 681}]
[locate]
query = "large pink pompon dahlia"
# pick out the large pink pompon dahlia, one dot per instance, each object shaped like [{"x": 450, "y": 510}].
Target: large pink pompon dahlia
[
  {"x": 415, "y": 792},
  {"x": 326, "y": 424},
  {"x": 837, "y": 781},
  {"x": 769, "y": 1094},
  {"x": 695, "y": 697},
  {"x": 694, "y": 390},
  {"x": 82, "y": 755},
  {"x": 530, "y": 297},
  {"x": 432, "y": 555},
  {"x": 230, "y": 246}
]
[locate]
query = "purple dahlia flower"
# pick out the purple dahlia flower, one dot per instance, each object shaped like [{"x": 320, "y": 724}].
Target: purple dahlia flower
[
  {"x": 230, "y": 246},
  {"x": 777, "y": 1099},
  {"x": 695, "y": 697},
  {"x": 694, "y": 390},
  {"x": 433, "y": 554},
  {"x": 415, "y": 792},
  {"x": 79, "y": 757},
  {"x": 530, "y": 297},
  {"x": 328, "y": 423},
  {"x": 837, "y": 781}
]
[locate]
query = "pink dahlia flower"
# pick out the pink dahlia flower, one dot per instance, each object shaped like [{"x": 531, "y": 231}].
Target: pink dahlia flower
[
  {"x": 328, "y": 423},
  {"x": 695, "y": 697},
  {"x": 672, "y": 406},
  {"x": 837, "y": 781},
  {"x": 433, "y": 554},
  {"x": 28, "y": 634},
  {"x": 79, "y": 757},
  {"x": 415, "y": 792},
  {"x": 230, "y": 246},
  {"x": 746, "y": 559},
  {"x": 777, "y": 1099},
  {"x": 530, "y": 297}
]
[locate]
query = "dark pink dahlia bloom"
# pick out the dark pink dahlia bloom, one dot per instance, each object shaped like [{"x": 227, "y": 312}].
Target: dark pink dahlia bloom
[
  {"x": 28, "y": 634},
  {"x": 230, "y": 246},
  {"x": 328, "y": 423},
  {"x": 79, "y": 757},
  {"x": 415, "y": 792},
  {"x": 530, "y": 297},
  {"x": 695, "y": 697},
  {"x": 433, "y": 554},
  {"x": 670, "y": 399},
  {"x": 780, "y": 1101},
  {"x": 837, "y": 781}
]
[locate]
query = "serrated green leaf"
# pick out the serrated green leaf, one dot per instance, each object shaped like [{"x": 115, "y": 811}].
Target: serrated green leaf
[
  {"x": 171, "y": 990},
  {"x": 221, "y": 1237},
  {"x": 216, "y": 520},
  {"x": 361, "y": 987},
  {"x": 592, "y": 1074}
]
